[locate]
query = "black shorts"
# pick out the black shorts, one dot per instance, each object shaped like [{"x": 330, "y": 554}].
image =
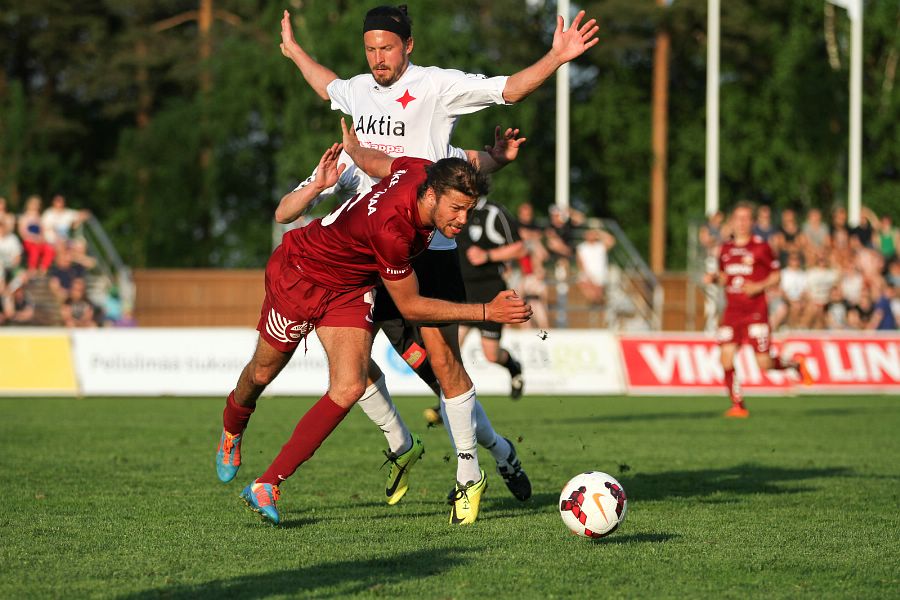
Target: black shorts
[
  {"x": 439, "y": 277},
  {"x": 485, "y": 290}
]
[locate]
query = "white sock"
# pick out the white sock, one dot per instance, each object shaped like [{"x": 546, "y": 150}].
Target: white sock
[
  {"x": 459, "y": 421},
  {"x": 489, "y": 439},
  {"x": 377, "y": 404}
]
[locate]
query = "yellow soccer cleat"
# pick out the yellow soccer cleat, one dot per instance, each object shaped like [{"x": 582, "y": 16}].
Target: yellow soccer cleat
[
  {"x": 401, "y": 465},
  {"x": 466, "y": 501}
]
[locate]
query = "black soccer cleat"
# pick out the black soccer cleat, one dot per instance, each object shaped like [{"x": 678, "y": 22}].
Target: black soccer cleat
[{"x": 514, "y": 475}]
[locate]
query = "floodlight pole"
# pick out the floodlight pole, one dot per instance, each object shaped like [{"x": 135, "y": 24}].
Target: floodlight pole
[
  {"x": 854, "y": 195},
  {"x": 562, "y": 123},
  {"x": 712, "y": 108}
]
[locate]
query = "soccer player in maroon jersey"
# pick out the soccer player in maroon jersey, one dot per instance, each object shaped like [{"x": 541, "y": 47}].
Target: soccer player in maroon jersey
[
  {"x": 322, "y": 276},
  {"x": 747, "y": 268}
]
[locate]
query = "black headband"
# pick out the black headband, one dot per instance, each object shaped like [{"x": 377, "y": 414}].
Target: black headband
[{"x": 386, "y": 23}]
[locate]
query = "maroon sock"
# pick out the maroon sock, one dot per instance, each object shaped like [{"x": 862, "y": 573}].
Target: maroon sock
[
  {"x": 235, "y": 417},
  {"x": 316, "y": 425},
  {"x": 734, "y": 392}
]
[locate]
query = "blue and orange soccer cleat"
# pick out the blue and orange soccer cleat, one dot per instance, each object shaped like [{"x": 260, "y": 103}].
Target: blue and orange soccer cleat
[
  {"x": 261, "y": 498},
  {"x": 228, "y": 458}
]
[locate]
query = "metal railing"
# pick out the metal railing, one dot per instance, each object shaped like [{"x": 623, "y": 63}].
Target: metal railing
[
  {"x": 109, "y": 263},
  {"x": 641, "y": 292}
]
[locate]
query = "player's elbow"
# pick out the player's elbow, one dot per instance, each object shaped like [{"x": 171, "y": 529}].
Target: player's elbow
[{"x": 282, "y": 216}]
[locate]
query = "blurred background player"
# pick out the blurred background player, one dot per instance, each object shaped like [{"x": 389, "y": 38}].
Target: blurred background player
[
  {"x": 485, "y": 246},
  {"x": 402, "y": 108},
  {"x": 747, "y": 268}
]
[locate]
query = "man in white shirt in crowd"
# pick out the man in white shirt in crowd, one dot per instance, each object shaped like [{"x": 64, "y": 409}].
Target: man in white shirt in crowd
[
  {"x": 593, "y": 264},
  {"x": 59, "y": 221}
]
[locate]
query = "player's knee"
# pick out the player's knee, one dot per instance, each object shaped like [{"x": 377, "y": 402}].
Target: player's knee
[
  {"x": 262, "y": 375},
  {"x": 347, "y": 394}
]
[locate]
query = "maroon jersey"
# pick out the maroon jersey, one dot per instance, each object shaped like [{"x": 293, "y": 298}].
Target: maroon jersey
[
  {"x": 753, "y": 261},
  {"x": 368, "y": 236}
]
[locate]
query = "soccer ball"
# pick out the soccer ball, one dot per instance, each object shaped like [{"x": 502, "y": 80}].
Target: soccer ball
[{"x": 593, "y": 504}]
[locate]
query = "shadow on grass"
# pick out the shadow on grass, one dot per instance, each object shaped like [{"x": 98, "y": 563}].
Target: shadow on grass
[
  {"x": 345, "y": 576},
  {"x": 668, "y": 416},
  {"x": 740, "y": 479},
  {"x": 635, "y": 538}
]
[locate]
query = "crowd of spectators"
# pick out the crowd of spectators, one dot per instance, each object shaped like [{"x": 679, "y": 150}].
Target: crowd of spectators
[
  {"x": 833, "y": 276},
  {"x": 45, "y": 247},
  {"x": 567, "y": 244}
]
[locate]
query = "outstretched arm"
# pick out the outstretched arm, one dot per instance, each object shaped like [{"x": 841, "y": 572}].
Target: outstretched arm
[
  {"x": 328, "y": 172},
  {"x": 567, "y": 45},
  {"x": 317, "y": 76},
  {"x": 504, "y": 151},
  {"x": 373, "y": 163},
  {"x": 506, "y": 307}
]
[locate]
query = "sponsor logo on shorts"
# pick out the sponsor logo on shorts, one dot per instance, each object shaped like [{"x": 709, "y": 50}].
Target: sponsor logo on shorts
[
  {"x": 284, "y": 330},
  {"x": 724, "y": 334}
]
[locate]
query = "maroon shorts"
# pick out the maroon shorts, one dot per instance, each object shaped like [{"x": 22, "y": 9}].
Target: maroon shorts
[
  {"x": 294, "y": 306},
  {"x": 754, "y": 331}
]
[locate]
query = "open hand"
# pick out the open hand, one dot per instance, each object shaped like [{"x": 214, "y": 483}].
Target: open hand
[
  {"x": 576, "y": 40},
  {"x": 329, "y": 171},
  {"x": 288, "y": 43},
  {"x": 506, "y": 145}
]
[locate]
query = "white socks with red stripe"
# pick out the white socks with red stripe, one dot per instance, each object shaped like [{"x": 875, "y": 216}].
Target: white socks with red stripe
[
  {"x": 377, "y": 404},
  {"x": 459, "y": 420}
]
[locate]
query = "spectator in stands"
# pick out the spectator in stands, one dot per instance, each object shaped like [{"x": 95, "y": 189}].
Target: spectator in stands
[
  {"x": 764, "y": 226},
  {"x": 60, "y": 221},
  {"x": 38, "y": 251},
  {"x": 883, "y": 314},
  {"x": 77, "y": 310},
  {"x": 63, "y": 274},
  {"x": 788, "y": 239},
  {"x": 893, "y": 273},
  {"x": 713, "y": 232},
  {"x": 836, "y": 310},
  {"x": 18, "y": 307},
  {"x": 861, "y": 313},
  {"x": 816, "y": 233},
  {"x": 593, "y": 264},
  {"x": 820, "y": 280},
  {"x": 6, "y": 216},
  {"x": 888, "y": 238},
  {"x": 532, "y": 284},
  {"x": 10, "y": 253},
  {"x": 865, "y": 231},
  {"x": 840, "y": 233},
  {"x": 559, "y": 234},
  {"x": 79, "y": 253},
  {"x": 867, "y": 260},
  {"x": 795, "y": 291},
  {"x": 851, "y": 282}
]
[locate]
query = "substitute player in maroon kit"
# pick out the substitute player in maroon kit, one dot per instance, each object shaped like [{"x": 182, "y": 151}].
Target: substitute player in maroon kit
[
  {"x": 321, "y": 277},
  {"x": 747, "y": 268}
]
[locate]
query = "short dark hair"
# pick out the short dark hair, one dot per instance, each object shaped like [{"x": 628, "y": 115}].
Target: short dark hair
[
  {"x": 744, "y": 204},
  {"x": 455, "y": 174},
  {"x": 377, "y": 19}
]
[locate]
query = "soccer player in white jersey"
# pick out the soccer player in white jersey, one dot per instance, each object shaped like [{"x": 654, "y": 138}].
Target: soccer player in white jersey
[{"x": 403, "y": 109}]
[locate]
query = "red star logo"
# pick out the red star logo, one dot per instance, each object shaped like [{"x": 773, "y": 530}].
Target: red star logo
[{"x": 406, "y": 98}]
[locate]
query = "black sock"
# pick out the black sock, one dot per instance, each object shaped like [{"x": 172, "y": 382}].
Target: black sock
[{"x": 511, "y": 364}]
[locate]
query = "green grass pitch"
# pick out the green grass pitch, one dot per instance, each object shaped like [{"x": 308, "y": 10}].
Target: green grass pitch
[{"x": 119, "y": 498}]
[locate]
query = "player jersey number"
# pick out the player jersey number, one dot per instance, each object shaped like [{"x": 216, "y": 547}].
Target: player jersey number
[{"x": 333, "y": 215}]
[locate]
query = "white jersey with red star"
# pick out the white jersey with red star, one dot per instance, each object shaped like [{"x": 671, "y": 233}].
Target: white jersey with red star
[{"x": 416, "y": 115}]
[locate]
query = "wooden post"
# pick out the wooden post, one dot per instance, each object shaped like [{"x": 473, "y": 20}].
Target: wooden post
[{"x": 660, "y": 149}]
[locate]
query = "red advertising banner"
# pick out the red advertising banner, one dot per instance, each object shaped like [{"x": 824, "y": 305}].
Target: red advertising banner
[{"x": 689, "y": 363}]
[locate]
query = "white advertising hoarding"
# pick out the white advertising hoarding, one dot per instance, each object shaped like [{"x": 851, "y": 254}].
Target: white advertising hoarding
[{"x": 207, "y": 362}]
